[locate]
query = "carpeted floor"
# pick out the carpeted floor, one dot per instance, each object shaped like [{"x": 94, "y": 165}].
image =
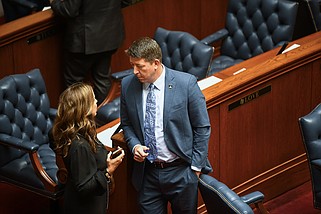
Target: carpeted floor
[
  {"x": 16, "y": 201},
  {"x": 295, "y": 201}
]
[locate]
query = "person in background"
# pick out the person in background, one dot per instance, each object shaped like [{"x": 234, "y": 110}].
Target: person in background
[
  {"x": 87, "y": 161},
  {"x": 167, "y": 128},
  {"x": 93, "y": 31}
]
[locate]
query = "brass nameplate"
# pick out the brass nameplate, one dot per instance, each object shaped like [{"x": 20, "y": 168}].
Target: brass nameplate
[
  {"x": 41, "y": 36},
  {"x": 249, "y": 97}
]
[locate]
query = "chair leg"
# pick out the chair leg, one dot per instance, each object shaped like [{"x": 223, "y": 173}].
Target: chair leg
[{"x": 259, "y": 206}]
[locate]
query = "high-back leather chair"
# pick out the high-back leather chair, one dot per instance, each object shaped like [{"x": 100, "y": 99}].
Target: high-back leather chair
[
  {"x": 315, "y": 7},
  {"x": 181, "y": 51},
  {"x": 252, "y": 27},
  {"x": 310, "y": 126},
  {"x": 14, "y": 9},
  {"x": 26, "y": 160},
  {"x": 219, "y": 198}
]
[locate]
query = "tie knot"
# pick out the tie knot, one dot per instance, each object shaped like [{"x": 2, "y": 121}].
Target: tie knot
[{"x": 151, "y": 86}]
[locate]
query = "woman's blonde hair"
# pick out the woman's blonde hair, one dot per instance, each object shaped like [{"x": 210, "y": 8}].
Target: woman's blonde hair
[{"x": 74, "y": 117}]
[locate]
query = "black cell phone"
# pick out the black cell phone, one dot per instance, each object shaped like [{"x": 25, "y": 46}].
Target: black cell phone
[
  {"x": 115, "y": 153},
  {"x": 282, "y": 48}
]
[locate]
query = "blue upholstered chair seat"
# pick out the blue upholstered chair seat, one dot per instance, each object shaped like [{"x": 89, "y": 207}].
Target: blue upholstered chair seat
[
  {"x": 108, "y": 112},
  {"x": 222, "y": 62},
  {"x": 21, "y": 169},
  {"x": 26, "y": 159}
]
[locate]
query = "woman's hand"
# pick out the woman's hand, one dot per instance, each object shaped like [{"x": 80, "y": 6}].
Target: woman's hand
[{"x": 113, "y": 163}]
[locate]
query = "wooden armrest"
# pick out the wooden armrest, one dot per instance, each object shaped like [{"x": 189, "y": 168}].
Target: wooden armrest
[{"x": 41, "y": 173}]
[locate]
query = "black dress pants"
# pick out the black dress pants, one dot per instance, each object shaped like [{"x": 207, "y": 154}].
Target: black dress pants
[{"x": 78, "y": 66}]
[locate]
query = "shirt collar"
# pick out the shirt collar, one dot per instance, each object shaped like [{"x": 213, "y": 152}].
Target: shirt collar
[{"x": 159, "y": 83}]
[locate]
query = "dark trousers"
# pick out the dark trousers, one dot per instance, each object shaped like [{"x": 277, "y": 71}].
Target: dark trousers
[
  {"x": 176, "y": 185},
  {"x": 78, "y": 66}
]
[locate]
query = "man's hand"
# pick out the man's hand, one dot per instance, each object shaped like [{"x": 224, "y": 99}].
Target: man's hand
[
  {"x": 140, "y": 153},
  {"x": 197, "y": 173}
]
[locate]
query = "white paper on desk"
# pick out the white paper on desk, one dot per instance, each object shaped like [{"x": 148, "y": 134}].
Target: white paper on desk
[
  {"x": 46, "y": 8},
  {"x": 207, "y": 82},
  {"x": 105, "y": 136},
  {"x": 294, "y": 46}
]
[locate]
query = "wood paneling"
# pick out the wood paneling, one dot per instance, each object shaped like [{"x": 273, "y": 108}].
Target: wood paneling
[
  {"x": 141, "y": 19},
  {"x": 200, "y": 18}
]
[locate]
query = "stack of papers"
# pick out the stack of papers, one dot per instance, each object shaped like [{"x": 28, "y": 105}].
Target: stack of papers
[{"x": 207, "y": 82}]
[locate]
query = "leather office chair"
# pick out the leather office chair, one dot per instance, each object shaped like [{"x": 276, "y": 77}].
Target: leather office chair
[
  {"x": 310, "y": 126},
  {"x": 315, "y": 7},
  {"x": 180, "y": 51},
  {"x": 252, "y": 27},
  {"x": 26, "y": 160},
  {"x": 14, "y": 9},
  {"x": 219, "y": 198}
]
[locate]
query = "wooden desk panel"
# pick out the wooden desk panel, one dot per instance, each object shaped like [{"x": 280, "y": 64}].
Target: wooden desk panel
[
  {"x": 260, "y": 146},
  {"x": 6, "y": 66},
  {"x": 263, "y": 133},
  {"x": 316, "y": 83}
]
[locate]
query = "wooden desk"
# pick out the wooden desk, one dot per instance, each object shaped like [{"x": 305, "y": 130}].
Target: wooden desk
[
  {"x": 257, "y": 145},
  {"x": 123, "y": 199},
  {"x": 255, "y": 142}
]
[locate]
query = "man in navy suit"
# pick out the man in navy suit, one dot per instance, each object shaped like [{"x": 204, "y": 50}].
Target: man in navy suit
[{"x": 182, "y": 131}]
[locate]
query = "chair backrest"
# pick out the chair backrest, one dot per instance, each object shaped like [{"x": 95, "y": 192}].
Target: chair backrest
[
  {"x": 183, "y": 52},
  {"x": 219, "y": 198},
  {"x": 257, "y": 26},
  {"x": 26, "y": 159},
  {"x": 24, "y": 111},
  {"x": 310, "y": 126},
  {"x": 315, "y": 6},
  {"x": 14, "y": 9}
]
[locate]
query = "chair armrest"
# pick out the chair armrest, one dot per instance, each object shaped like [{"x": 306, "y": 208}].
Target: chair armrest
[
  {"x": 316, "y": 163},
  {"x": 121, "y": 74},
  {"x": 253, "y": 197},
  {"x": 27, "y": 4},
  {"x": 17, "y": 143},
  {"x": 218, "y": 35}
]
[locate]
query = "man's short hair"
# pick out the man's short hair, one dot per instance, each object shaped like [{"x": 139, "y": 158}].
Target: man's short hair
[{"x": 145, "y": 48}]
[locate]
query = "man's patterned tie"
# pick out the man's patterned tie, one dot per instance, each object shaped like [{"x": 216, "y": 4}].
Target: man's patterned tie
[{"x": 149, "y": 124}]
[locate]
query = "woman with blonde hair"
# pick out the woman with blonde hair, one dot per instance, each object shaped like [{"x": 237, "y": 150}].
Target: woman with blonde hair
[{"x": 88, "y": 163}]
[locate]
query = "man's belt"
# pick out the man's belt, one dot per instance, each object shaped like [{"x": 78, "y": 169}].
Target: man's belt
[{"x": 163, "y": 164}]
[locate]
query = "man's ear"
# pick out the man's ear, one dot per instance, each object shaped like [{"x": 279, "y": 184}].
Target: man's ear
[{"x": 157, "y": 63}]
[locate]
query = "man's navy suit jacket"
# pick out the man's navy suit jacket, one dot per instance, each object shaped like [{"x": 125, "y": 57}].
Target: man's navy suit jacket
[{"x": 186, "y": 122}]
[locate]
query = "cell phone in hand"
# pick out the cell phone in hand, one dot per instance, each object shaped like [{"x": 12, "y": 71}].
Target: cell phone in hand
[{"x": 115, "y": 153}]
